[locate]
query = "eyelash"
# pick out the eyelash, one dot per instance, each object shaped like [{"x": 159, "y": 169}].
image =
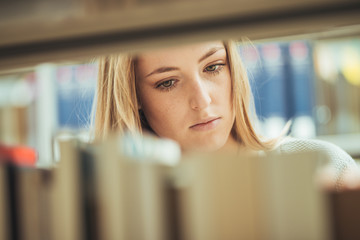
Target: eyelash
[
  {"x": 161, "y": 86},
  {"x": 219, "y": 66},
  {"x": 218, "y": 69}
]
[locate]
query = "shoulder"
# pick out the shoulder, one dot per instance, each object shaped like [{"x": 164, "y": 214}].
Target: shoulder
[{"x": 339, "y": 159}]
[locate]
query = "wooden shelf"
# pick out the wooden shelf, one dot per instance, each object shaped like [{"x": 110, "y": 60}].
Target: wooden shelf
[{"x": 84, "y": 33}]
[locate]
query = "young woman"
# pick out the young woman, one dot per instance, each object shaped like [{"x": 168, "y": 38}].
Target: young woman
[{"x": 198, "y": 95}]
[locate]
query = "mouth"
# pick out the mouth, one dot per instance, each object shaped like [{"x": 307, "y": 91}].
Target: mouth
[{"x": 207, "y": 124}]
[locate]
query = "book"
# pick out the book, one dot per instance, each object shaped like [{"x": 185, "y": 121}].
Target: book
[
  {"x": 131, "y": 196},
  {"x": 300, "y": 89},
  {"x": 227, "y": 197},
  {"x": 29, "y": 203},
  {"x": 5, "y": 226},
  {"x": 65, "y": 195}
]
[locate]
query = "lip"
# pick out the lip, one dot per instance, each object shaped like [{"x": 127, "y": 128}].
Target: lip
[{"x": 207, "y": 124}]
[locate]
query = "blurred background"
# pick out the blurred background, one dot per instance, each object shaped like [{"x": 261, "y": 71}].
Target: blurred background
[{"x": 48, "y": 71}]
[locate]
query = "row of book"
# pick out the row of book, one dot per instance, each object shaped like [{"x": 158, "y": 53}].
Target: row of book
[
  {"x": 282, "y": 72},
  {"x": 98, "y": 192},
  {"x": 314, "y": 83},
  {"x": 282, "y": 78}
]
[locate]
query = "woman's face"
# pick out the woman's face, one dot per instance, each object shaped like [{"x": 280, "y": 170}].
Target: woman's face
[{"x": 185, "y": 93}]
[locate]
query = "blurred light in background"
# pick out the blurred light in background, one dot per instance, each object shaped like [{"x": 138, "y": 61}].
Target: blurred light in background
[{"x": 337, "y": 64}]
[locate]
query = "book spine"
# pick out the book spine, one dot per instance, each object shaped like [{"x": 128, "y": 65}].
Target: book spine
[
  {"x": 301, "y": 88},
  {"x": 66, "y": 194},
  {"x": 5, "y": 226}
]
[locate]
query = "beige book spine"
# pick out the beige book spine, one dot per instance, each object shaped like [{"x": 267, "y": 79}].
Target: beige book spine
[
  {"x": 291, "y": 205},
  {"x": 144, "y": 192},
  {"x": 131, "y": 196},
  {"x": 28, "y": 188},
  {"x": 65, "y": 198},
  {"x": 216, "y": 198},
  {"x": 4, "y": 214},
  {"x": 110, "y": 210}
]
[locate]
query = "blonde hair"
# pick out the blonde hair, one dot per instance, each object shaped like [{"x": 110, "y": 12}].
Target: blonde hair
[{"x": 117, "y": 102}]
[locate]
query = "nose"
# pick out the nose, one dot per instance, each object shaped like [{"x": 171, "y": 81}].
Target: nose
[{"x": 199, "y": 95}]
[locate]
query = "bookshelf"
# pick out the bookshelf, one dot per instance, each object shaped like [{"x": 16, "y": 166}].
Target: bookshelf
[
  {"x": 82, "y": 29},
  {"x": 76, "y": 30}
]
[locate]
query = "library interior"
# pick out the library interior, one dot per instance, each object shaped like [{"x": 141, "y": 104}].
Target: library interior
[{"x": 69, "y": 171}]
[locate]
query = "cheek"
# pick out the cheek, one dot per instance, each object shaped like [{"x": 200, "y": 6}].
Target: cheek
[
  {"x": 163, "y": 113},
  {"x": 224, "y": 90},
  {"x": 229, "y": 89},
  {"x": 229, "y": 93},
  {"x": 225, "y": 98}
]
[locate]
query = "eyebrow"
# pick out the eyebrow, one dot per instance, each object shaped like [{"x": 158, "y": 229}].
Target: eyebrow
[
  {"x": 162, "y": 69},
  {"x": 210, "y": 52},
  {"x": 168, "y": 69}
]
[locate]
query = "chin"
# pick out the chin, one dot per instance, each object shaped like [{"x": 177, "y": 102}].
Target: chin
[{"x": 208, "y": 145}]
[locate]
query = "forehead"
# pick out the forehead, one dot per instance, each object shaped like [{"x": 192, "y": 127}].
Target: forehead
[{"x": 176, "y": 54}]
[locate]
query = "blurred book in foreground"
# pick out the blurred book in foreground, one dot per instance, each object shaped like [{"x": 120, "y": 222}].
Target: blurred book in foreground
[{"x": 100, "y": 191}]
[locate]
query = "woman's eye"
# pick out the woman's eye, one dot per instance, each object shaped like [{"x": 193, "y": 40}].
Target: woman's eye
[
  {"x": 215, "y": 68},
  {"x": 212, "y": 68},
  {"x": 166, "y": 85}
]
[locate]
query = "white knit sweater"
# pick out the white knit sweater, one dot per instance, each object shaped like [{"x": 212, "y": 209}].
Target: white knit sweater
[{"x": 339, "y": 159}]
